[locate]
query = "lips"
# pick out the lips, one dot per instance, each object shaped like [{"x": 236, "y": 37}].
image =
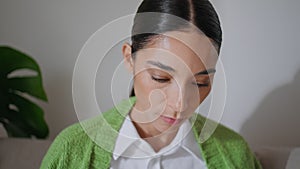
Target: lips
[{"x": 170, "y": 120}]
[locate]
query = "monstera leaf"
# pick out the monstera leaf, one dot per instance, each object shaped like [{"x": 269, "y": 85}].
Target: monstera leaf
[{"x": 19, "y": 115}]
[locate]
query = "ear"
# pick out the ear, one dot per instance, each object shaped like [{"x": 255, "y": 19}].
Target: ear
[{"x": 126, "y": 50}]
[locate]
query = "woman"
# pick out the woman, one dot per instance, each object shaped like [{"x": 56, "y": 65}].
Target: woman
[{"x": 174, "y": 51}]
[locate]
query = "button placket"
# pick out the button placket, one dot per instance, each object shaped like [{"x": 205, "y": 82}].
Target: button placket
[{"x": 155, "y": 163}]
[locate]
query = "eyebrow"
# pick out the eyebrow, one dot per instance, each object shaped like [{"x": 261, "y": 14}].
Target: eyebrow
[
  {"x": 168, "y": 68},
  {"x": 160, "y": 65}
]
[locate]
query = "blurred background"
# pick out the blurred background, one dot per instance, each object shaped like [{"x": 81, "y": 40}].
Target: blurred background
[{"x": 259, "y": 54}]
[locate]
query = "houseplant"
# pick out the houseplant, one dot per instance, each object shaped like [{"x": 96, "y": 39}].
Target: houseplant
[{"x": 19, "y": 114}]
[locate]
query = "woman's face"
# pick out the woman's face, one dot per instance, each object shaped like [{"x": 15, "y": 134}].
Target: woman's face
[{"x": 171, "y": 79}]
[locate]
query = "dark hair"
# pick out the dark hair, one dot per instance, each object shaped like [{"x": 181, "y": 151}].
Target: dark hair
[{"x": 162, "y": 19}]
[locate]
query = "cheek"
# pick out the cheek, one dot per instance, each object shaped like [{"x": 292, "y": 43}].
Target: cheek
[
  {"x": 195, "y": 99},
  {"x": 146, "y": 91},
  {"x": 143, "y": 86},
  {"x": 204, "y": 93}
]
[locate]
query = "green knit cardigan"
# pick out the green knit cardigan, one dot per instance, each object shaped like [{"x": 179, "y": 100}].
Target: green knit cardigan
[{"x": 90, "y": 144}]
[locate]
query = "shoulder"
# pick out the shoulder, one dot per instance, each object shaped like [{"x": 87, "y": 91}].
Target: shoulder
[
  {"x": 235, "y": 147},
  {"x": 229, "y": 137},
  {"x": 112, "y": 118},
  {"x": 83, "y": 131},
  {"x": 69, "y": 147},
  {"x": 224, "y": 143},
  {"x": 209, "y": 129},
  {"x": 76, "y": 144}
]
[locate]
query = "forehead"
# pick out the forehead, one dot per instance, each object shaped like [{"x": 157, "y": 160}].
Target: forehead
[{"x": 193, "y": 50}]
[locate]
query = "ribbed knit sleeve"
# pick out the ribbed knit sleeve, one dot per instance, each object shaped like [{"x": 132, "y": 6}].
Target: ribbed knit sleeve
[
  {"x": 87, "y": 144},
  {"x": 224, "y": 149},
  {"x": 56, "y": 155},
  {"x": 72, "y": 148}
]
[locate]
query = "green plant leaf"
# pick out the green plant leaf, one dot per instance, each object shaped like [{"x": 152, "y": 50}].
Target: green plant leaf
[
  {"x": 30, "y": 85},
  {"x": 12, "y": 59},
  {"x": 14, "y": 130},
  {"x": 15, "y": 125},
  {"x": 25, "y": 119},
  {"x": 31, "y": 114}
]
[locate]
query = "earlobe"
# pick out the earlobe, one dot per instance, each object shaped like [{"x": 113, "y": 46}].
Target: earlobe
[{"x": 126, "y": 51}]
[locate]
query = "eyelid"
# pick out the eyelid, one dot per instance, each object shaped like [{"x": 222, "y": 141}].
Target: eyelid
[
  {"x": 201, "y": 84},
  {"x": 155, "y": 75},
  {"x": 159, "y": 73},
  {"x": 159, "y": 79}
]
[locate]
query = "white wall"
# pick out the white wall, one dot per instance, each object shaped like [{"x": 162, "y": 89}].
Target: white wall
[
  {"x": 53, "y": 32},
  {"x": 259, "y": 53},
  {"x": 262, "y": 63}
]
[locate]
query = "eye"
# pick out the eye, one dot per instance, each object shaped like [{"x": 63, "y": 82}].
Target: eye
[
  {"x": 160, "y": 80},
  {"x": 199, "y": 85}
]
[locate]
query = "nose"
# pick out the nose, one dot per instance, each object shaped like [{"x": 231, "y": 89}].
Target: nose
[{"x": 177, "y": 98}]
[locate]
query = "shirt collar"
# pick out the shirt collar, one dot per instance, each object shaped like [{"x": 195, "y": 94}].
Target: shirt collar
[
  {"x": 128, "y": 136},
  {"x": 189, "y": 143}
]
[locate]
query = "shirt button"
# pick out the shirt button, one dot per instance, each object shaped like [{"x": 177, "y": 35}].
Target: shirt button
[{"x": 154, "y": 163}]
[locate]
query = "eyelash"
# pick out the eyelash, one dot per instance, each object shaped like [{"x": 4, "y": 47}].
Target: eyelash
[
  {"x": 201, "y": 85},
  {"x": 159, "y": 80}
]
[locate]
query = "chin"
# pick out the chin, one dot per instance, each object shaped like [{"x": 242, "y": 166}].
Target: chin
[{"x": 163, "y": 127}]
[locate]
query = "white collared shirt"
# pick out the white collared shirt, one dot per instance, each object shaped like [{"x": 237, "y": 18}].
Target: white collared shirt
[{"x": 132, "y": 152}]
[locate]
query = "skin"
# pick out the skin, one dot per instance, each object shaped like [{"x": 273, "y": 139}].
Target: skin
[{"x": 170, "y": 80}]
